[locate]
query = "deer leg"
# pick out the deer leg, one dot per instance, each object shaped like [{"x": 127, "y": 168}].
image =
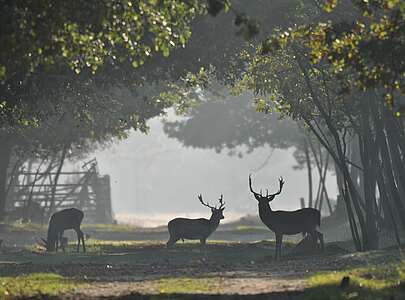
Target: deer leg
[
  {"x": 57, "y": 242},
  {"x": 320, "y": 237},
  {"x": 81, "y": 237},
  {"x": 62, "y": 242},
  {"x": 78, "y": 241},
  {"x": 279, "y": 240},
  {"x": 84, "y": 246},
  {"x": 79, "y": 234}
]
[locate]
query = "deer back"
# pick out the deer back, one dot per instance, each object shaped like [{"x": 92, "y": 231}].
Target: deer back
[
  {"x": 191, "y": 228},
  {"x": 70, "y": 218},
  {"x": 293, "y": 222}
]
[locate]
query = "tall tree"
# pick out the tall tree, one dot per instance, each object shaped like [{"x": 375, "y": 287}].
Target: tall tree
[
  {"x": 63, "y": 59},
  {"x": 343, "y": 80}
]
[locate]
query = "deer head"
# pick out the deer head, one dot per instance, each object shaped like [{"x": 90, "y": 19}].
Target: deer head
[
  {"x": 49, "y": 246},
  {"x": 216, "y": 212},
  {"x": 269, "y": 197},
  {"x": 44, "y": 243}
]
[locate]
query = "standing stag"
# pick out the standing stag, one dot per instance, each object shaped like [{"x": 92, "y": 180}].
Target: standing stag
[
  {"x": 60, "y": 221},
  {"x": 305, "y": 220},
  {"x": 195, "y": 229}
]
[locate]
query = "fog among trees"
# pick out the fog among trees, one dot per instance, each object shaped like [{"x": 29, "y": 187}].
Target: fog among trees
[{"x": 202, "y": 149}]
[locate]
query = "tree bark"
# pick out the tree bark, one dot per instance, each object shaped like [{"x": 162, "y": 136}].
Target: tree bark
[
  {"x": 355, "y": 158},
  {"x": 394, "y": 148},
  {"x": 368, "y": 177},
  {"x": 387, "y": 166},
  {"x": 309, "y": 169},
  {"x": 5, "y": 156},
  {"x": 387, "y": 209},
  {"x": 338, "y": 153}
]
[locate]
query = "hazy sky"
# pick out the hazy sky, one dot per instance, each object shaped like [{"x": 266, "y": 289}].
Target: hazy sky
[{"x": 152, "y": 174}]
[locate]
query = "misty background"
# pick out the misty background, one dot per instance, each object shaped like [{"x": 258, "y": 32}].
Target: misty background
[{"x": 155, "y": 178}]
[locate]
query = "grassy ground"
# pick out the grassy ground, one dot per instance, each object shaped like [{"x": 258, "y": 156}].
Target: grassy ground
[
  {"x": 383, "y": 281},
  {"x": 36, "y": 284},
  {"x": 224, "y": 269}
]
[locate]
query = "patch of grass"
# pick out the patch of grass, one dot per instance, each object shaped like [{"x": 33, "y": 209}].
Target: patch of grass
[
  {"x": 244, "y": 228},
  {"x": 34, "y": 227},
  {"x": 35, "y": 284},
  {"x": 106, "y": 246},
  {"x": 30, "y": 227},
  {"x": 109, "y": 228},
  {"x": 385, "y": 281},
  {"x": 185, "y": 285},
  {"x": 144, "y": 252}
]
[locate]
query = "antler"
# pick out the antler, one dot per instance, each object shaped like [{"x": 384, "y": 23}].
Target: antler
[
  {"x": 250, "y": 186},
  {"x": 205, "y": 204},
  {"x": 281, "y": 183},
  {"x": 221, "y": 202},
  {"x": 271, "y": 196}
]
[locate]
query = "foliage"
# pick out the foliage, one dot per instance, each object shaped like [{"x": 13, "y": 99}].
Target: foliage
[
  {"x": 185, "y": 285},
  {"x": 339, "y": 71},
  {"x": 51, "y": 43},
  {"x": 86, "y": 35},
  {"x": 69, "y": 76},
  {"x": 373, "y": 282},
  {"x": 364, "y": 53},
  {"x": 36, "y": 284},
  {"x": 230, "y": 123}
]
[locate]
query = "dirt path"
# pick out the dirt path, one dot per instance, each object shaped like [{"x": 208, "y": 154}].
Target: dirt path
[{"x": 221, "y": 286}]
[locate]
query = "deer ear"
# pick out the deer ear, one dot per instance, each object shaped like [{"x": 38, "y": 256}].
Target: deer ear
[{"x": 271, "y": 198}]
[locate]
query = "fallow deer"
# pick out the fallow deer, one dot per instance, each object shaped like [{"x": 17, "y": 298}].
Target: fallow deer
[
  {"x": 305, "y": 220},
  {"x": 60, "y": 221},
  {"x": 196, "y": 229}
]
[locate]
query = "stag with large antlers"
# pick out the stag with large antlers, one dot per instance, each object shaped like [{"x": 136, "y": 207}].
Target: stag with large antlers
[
  {"x": 305, "y": 220},
  {"x": 70, "y": 218},
  {"x": 196, "y": 229}
]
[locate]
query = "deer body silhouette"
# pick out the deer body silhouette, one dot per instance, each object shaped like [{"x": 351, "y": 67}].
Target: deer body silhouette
[
  {"x": 70, "y": 218},
  {"x": 195, "y": 229},
  {"x": 305, "y": 220}
]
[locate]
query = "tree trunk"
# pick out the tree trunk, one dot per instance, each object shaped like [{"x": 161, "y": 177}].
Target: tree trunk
[
  {"x": 5, "y": 156},
  {"x": 394, "y": 148},
  {"x": 338, "y": 154},
  {"x": 340, "y": 210},
  {"x": 368, "y": 157},
  {"x": 322, "y": 168},
  {"x": 355, "y": 158},
  {"x": 389, "y": 217},
  {"x": 387, "y": 167},
  {"x": 309, "y": 169}
]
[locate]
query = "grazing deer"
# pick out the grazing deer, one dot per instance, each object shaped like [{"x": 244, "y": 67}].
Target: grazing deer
[
  {"x": 305, "y": 220},
  {"x": 195, "y": 229},
  {"x": 60, "y": 221}
]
